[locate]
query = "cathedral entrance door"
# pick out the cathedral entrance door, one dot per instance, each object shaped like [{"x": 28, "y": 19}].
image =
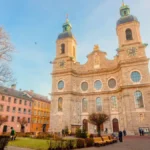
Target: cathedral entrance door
[
  {"x": 115, "y": 125},
  {"x": 85, "y": 125}
]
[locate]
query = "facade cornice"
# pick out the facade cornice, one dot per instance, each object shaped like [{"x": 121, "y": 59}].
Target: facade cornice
[
  {"x": 103, "y": 70},
  {"x": 121, "y": 88}
]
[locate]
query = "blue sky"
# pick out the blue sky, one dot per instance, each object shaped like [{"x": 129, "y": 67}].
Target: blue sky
[{"x": 40, "y": 21}]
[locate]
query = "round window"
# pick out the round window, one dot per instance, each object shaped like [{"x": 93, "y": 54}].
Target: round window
[
  {"x": 112, "y": 83},
  {"x": 97, "y": 85},
  {"x": 84, "y": 86},
  {"x": 60, "y": 85},
  {"x": 135, "y": 76}
]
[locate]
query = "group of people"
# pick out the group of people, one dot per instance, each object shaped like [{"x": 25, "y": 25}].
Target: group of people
[
  {"x": 141, "y": 132},
  {"x": 120, "y": 135}
]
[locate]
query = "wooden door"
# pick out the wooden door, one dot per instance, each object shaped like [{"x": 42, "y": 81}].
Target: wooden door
[{"x": 115, "y": 125}]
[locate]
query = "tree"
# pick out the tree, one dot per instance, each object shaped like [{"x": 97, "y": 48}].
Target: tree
[
  {"x": 6, "y": 49},
  {"x": 98, "y": 119},
  {"x": 2, "y": 120},
  {"x": 22, "y": 122}
]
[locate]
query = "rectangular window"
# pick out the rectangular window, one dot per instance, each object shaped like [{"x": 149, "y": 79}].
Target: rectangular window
[
  {"x": 24, "y": 111},
  {"x": 12, "y": 118},
  {"x": 35, "y": 103},
  {"x": 3, "y": 98},
  {"x": 29, "y": 112},
  {"x": 19, "y": 110},
  {"x": 29, "y": 103},
  {"x": 14, "y": 109},
  {"x": 39, "y": 104},
  {"x": 28, "y": 120},
  {"x": 8, "y": 108},
  {"x": 20, "y": 101},
  {"x": 1, "y": 107},
  {"x": 15, "y": 100},
  {"x": 18, "y": 118},
  {"x": 25, "y": 102},
  {"x": 9, "y": 99}
]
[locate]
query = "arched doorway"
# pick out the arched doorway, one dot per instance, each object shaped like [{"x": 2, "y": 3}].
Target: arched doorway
[
  {"x": 4, "y": 128},
  {"x": 22, "y": 128},
  {"x": 85, "y": 125},
  {"x": 115, "y": 125},
  {"x": 44, "y": 127}
]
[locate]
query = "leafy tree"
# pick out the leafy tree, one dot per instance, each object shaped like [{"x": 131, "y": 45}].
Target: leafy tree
[
  {"x": 6, "y": 49},
  {"x": 98, "y": 119},
  {"x": 2, "y": 120}
]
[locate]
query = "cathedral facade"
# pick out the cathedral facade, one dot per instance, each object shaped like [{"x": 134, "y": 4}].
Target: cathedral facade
[{"x": 119, "y": 87}]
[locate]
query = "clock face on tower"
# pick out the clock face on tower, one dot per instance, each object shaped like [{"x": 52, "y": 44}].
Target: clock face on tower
[
  {"x": 132, "y": 51},
  {"x": 62, "y": 63}
]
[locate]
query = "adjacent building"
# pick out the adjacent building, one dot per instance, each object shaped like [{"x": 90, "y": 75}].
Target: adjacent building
[
  {"x": 118, "y": 87},
  {"x": 15, "y": 105},
  {"x": 26, "y": 111},
  {"x": 40, "y": 112}
]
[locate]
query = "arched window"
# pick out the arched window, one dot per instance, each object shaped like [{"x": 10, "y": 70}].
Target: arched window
[
  {"x": 113, "y": 102},
  {"x": 62, "y": 48},
  {"x": 60, "y": 102},
  {"x": 84, "y": 105},
  {"x": 125, "y": 13},
  {"x": 138, "y": 99},
  {"x": 129, "y": 34},
  {"x": 98, "y": 104}
]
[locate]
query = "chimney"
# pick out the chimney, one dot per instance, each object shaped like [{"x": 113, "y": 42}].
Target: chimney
[{"x": 13, "y": 86}]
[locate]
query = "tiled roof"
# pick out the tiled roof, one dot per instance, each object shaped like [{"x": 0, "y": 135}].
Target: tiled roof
[
  {"x": 14, "y": 93},
  {"x": 38, "y": 96}
]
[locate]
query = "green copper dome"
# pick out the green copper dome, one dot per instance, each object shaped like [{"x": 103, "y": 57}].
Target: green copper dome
[
  {"x": 125, "y": 15},
  {"x": 66, "y": 30}
]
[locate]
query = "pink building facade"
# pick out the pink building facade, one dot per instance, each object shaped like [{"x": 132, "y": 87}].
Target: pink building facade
[{"x": 15, "y": 105}]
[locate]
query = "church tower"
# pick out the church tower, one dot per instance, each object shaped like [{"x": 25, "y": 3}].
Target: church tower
[
  {"x": 129, "y": 37},
  {"x": 66, "y": 43},
  {"x": 128, "y": 28}
]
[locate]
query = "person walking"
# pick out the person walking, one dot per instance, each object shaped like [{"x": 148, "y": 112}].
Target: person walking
[
  {"x": 12, "y": 134},
  {"x": 106, "y": 130},
  {"x": 140, "y": 131},
  {"x": 124, "y": 132},
  {"x": 120, "y": 136}
]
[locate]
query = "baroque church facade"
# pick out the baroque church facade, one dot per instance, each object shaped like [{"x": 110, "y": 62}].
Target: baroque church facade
[{"x": 119, "y": 87}]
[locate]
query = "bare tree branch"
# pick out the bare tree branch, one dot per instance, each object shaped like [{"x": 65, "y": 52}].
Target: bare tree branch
[{"x": 6, "y": 49}]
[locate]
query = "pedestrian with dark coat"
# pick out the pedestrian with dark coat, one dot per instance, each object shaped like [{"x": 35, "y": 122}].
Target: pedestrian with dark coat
[
  {"x": 120, "y": 136},
  {"x": 124, "y": 132},
  {"x": 140, "y": 131}
]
